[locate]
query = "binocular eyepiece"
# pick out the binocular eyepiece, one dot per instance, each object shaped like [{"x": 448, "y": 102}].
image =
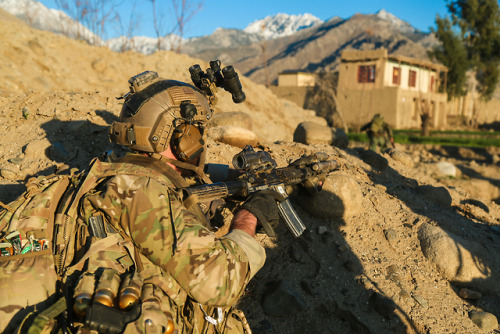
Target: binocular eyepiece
[{"x": 226, "y": 78}]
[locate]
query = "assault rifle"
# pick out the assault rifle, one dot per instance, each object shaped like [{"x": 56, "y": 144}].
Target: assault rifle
[{"x": 258, "y": 172}]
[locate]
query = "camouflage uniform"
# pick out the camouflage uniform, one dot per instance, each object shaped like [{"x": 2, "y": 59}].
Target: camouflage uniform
[
  {"x": 379, "y": 133},
  {"x": 178, "y": 253}
]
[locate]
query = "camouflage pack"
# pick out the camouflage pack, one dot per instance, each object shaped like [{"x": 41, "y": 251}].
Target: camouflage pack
[
  {"x": 28, "y": 273},
  {"x": 40, "y": 235}
]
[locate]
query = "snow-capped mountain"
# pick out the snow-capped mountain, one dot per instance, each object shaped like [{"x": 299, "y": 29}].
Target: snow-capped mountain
[
  {"x": 396, "y": 22},
  {"x": 143, "y": 44},
  {"x": 40, "y": 17},
  {"x": 271, "y": 27},
  {"x": 280, "y": 25}
]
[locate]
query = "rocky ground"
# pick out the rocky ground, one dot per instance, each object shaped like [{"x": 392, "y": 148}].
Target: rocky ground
[{"x": 403, "y": 242}]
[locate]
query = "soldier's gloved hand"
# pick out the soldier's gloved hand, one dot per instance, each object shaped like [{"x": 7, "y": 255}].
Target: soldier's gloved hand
[{"x": 262, "y": 205}]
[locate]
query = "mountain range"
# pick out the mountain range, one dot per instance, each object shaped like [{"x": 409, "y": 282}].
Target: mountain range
[{"x": 265, "y": 47}]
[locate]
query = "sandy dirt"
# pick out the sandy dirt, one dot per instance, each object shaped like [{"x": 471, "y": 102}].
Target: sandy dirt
[{"x": 363, "y": 271}]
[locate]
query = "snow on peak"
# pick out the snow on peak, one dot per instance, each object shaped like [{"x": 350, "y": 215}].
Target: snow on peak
[
  {"x": 41, "y": 17},
  {"x": 280, "y": 25},
  {"x": 395, "y": 21}
]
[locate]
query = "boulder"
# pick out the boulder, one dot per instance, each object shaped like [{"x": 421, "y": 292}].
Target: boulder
[
  {"x": 484, "y": 320},
  {"x": 232, "y": 118},
  {"x": 464, "y": 261},
  {"x": 402, "y": 157},
  {"x": 311, "y": 133},
  {"x": 340, "y": 138},
  {"x": 341, "y": 197},
  {"x": 445, "y": 168},
  {"x": 233, "y": 136}
]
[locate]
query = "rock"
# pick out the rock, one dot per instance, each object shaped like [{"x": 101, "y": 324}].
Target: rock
[
  {"x": 8, "y": 174},
  {"x": 439, "y": 195},
  {"x": 26, "y": 112},
  {"x": 47, "y": 112},
  {"x": 233, "y": 136},
  {"x": 484, "y": 320},
  {"x": 469, "y": 294},
  {"x": 391, "y": 236},
  {"x": 402, "y": 157},
  {"x": 322, "y": 229},
  {"x": 340, "y": 138},
  {"x": 394, "y": 274},
  {"x": 421, "y": 300},
  {"x": 232, "y": 118},
  {"x": 311, "y": 133},
  {"x": 461, "y": 260},
  {"x": 16, "y": 161},
  {"x": 280, "y": 299},
  {"x": 36, "y": 149},
  {"x": 446, "y": 168},
  {"x": 375, "y": 160},
  {"x": 341, "y": 197}
]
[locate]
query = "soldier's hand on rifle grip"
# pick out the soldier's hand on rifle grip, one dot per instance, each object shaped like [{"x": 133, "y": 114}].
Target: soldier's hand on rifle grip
[{"x": 262, "y": 205}]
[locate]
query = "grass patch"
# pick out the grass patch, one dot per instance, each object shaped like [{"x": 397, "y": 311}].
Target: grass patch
[{"x": 446, "y": 138}]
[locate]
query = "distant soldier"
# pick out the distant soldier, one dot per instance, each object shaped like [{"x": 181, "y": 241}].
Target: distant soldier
[{"x": 379, "y": 133}]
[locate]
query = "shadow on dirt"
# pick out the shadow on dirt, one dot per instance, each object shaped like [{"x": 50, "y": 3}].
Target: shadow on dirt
[
  {"x": 317, "y": 273},
  {"x": 73, "y": 144},
  {"x": 76, "y": 143}
]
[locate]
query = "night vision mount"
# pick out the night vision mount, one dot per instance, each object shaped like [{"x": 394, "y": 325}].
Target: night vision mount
[{"x": 214, "y": 77}]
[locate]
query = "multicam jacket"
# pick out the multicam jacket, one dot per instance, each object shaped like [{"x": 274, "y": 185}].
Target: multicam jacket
[{"x": 195, "y": 271}]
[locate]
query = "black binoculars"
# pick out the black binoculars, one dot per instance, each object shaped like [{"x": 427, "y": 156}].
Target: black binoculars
[{"x": 226, "y": 78}]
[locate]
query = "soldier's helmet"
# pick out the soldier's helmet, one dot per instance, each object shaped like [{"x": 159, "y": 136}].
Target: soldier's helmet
[{"x": 158, "y": 113}]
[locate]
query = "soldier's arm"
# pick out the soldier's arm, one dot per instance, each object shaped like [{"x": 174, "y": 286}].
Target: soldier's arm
[{"x": 213, "y": 271}]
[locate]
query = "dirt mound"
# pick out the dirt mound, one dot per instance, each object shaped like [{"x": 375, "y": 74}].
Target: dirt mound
[{"x": 361, "y": 270}]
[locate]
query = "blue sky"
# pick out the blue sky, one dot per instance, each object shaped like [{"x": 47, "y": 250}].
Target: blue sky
[{"x": 238, "y": 14}]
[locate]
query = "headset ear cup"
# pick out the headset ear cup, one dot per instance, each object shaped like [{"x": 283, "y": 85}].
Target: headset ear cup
[{"x": 187, "y": 143}]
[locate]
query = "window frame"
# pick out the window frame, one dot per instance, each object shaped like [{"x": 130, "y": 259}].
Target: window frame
[
  {"x": 366, "y": 73},
  {"x": 396, "y": 76},
  {"x": 412, "y": 78}
]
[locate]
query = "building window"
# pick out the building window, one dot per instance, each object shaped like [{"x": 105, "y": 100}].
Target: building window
[
  {"x": 432, "y": 83},
  {"x": 366, "y": 73},
  {"x": 396, "y": 76},
  {"x": 412, "y": 79}
]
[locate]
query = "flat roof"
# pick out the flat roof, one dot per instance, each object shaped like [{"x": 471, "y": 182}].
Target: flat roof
[
  {"x": 367, "y": 55},
  {"x": 295, "y": 72}
]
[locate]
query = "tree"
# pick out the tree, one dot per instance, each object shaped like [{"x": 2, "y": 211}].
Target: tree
[
  {"x": 93, "y": 14},
  {"x": 452, "y": 54},
  {"x": 475, "y": 24},
  {"x": 183, "y": 11}
]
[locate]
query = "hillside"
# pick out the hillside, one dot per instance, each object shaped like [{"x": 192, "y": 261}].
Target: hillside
[
  {"x": 393, "y": 244},
  {"x": 319, "y": 48}
]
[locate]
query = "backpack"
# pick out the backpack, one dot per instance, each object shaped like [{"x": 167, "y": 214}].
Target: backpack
[
  {"x": 39, "y": 233},
  {"x": 28, "y": 272}
]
